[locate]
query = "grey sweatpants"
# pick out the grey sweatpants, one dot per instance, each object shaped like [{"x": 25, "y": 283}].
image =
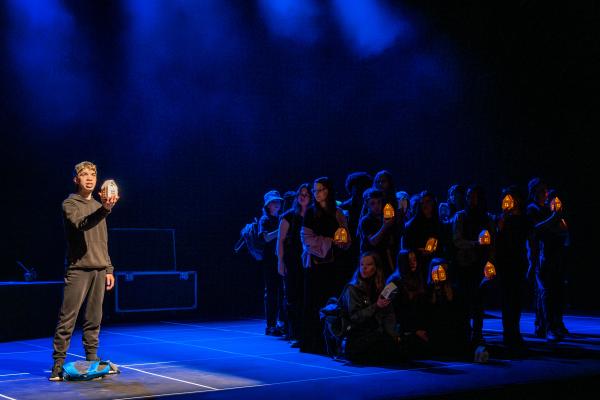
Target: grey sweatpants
[{"x": 80, "y": 285}]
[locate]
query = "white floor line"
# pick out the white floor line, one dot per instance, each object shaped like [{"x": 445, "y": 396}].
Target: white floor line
[
  {"x": 301, "y": 381},
  {"x": 150, "y": 363},
  {"x": 22, "y": 352},
  {"x": 17, "y": 374},
  {"x": 6, "y": 397},
  {"x": 219, "y": 323},
  {"x": 187, "y": 340},
  {"x": 170, "y": 378},
  {"x": 158, "y": 375},
  {"x": 242, "y": 354},
  {"x": 531, "y": 333},
  {"x": 161, "y": 367},
  {"x": 21, "y": 380},
  {"x": 206, "y": 359},
  {"x": 215, "y": 329},
  {"x": 35, "y": 345}
]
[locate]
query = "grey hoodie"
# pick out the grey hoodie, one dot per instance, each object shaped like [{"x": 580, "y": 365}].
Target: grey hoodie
[{"x": 86, "y": 233}]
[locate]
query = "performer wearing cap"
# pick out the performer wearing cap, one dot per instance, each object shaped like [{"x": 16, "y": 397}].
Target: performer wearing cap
[
  {"x": 268, "y": 231},
  {"x": 89, "y": 270}
]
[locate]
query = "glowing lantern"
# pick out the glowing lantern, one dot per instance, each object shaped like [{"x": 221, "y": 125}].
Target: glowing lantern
[
  {"x": 508, "y": 203},
  {"x": 388, "y": 211},
  {"x": 438, "y": 273},
  {"x": 556, "y": 204},
  {"x": 431, "y": 245},
  {"x": 484, "y": 238},
  {"x": 489, "y": 270},
  {"x": 109, "y": 189},
  {"x": 341, "y": 235}
]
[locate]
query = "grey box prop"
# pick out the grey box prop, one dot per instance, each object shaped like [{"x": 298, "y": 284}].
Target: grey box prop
[{"x": 156, "y": 291}]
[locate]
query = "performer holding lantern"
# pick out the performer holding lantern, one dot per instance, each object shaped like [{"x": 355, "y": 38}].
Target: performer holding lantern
[
  {"x": 322, "y": 246},
  {"x": 472, "y": 235},
  {"x": 376, "y": 230},
  {"x": 448, "y": 325},
  {"x": 547, "y": 259},
  {"x": 513, "y": 231},
  {"x": 424, "y": 233}
]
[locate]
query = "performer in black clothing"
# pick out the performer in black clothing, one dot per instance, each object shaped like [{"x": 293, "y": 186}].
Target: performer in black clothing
[
  {"x": 289, "y": 254},
  {"x": 454, "y": 204},
  {"x": 403, "y": 204},
  {"x": 89, "y": 271},
  {"x": 448, "y": 323},
  {"x": 372, "y": 337},
  {"x": 410, "y": 303},
  {"x": 514, "y": 229},
  {"x": 547, "y": 261},
  {"x": 268, "y": 230},
  {"x": 356, "y": 184},
  {"x": 472, "y": 254},
  {"x": 325, "y": 271},
  {"x": 425, "y": 225},
  {"x": 377, "y": 233}
]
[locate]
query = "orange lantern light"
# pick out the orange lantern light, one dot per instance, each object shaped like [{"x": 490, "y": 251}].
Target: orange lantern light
[
  {"x": 556, "y": 205},
  {"x": 489, "y": 270},
  {"x": 431, "y": 245},
  {"x": 341, "y": 235},
  {"x": 109, "y": 189},
  {"x": 388, "y": 211},
  {"x": 508, "y": 203},
  {"x": 438, "y": 273},
  {"x": 485, "y": 239}
]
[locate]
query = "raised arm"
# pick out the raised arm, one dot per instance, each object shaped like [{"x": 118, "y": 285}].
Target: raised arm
[{"x": 82, "y": 222}]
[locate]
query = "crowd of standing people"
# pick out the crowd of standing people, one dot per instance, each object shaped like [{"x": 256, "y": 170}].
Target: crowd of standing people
[{"x": 439, "y": 258}]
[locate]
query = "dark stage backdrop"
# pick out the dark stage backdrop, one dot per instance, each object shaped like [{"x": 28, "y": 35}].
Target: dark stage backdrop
[{"x": 197, "y": 108}]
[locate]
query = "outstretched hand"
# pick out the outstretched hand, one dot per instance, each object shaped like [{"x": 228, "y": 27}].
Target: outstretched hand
[{"x": 109, "y": 202}]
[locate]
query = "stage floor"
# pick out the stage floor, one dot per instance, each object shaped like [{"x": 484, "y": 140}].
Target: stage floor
[{"x": 235, "y": 359}]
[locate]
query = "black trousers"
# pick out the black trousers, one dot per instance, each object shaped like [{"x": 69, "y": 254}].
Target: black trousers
[
  {"x": 550, "y": 288},
  {"x": 319, "y": 286},
  {"x": 471, "y": 294},
  {"x": 273, "y": 291},
  {"x": 81, "y": 286},
  {"x": 372, "y": 347},
  {"x": 294, "y": 295},
  {"x": 512, "y": 287}
]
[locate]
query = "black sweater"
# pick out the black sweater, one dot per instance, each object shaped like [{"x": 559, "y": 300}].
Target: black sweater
[{"x": 86, "y": 233}]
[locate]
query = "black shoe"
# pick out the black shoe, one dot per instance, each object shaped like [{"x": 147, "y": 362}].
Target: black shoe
[
  {"x": 540, "y": 333},
  {"x": 553, "y": 337},
  {"x": 296, "y": 344},
  {"x": 562, "y": 330},
  {"x": 274, "y": 331},
  {"x": 477, "y": 338},
  {"x": 57, "y": 371}
]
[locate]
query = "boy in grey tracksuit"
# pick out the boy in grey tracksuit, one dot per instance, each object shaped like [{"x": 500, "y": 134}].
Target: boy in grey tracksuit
[{"x": 89, "y": 272}]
